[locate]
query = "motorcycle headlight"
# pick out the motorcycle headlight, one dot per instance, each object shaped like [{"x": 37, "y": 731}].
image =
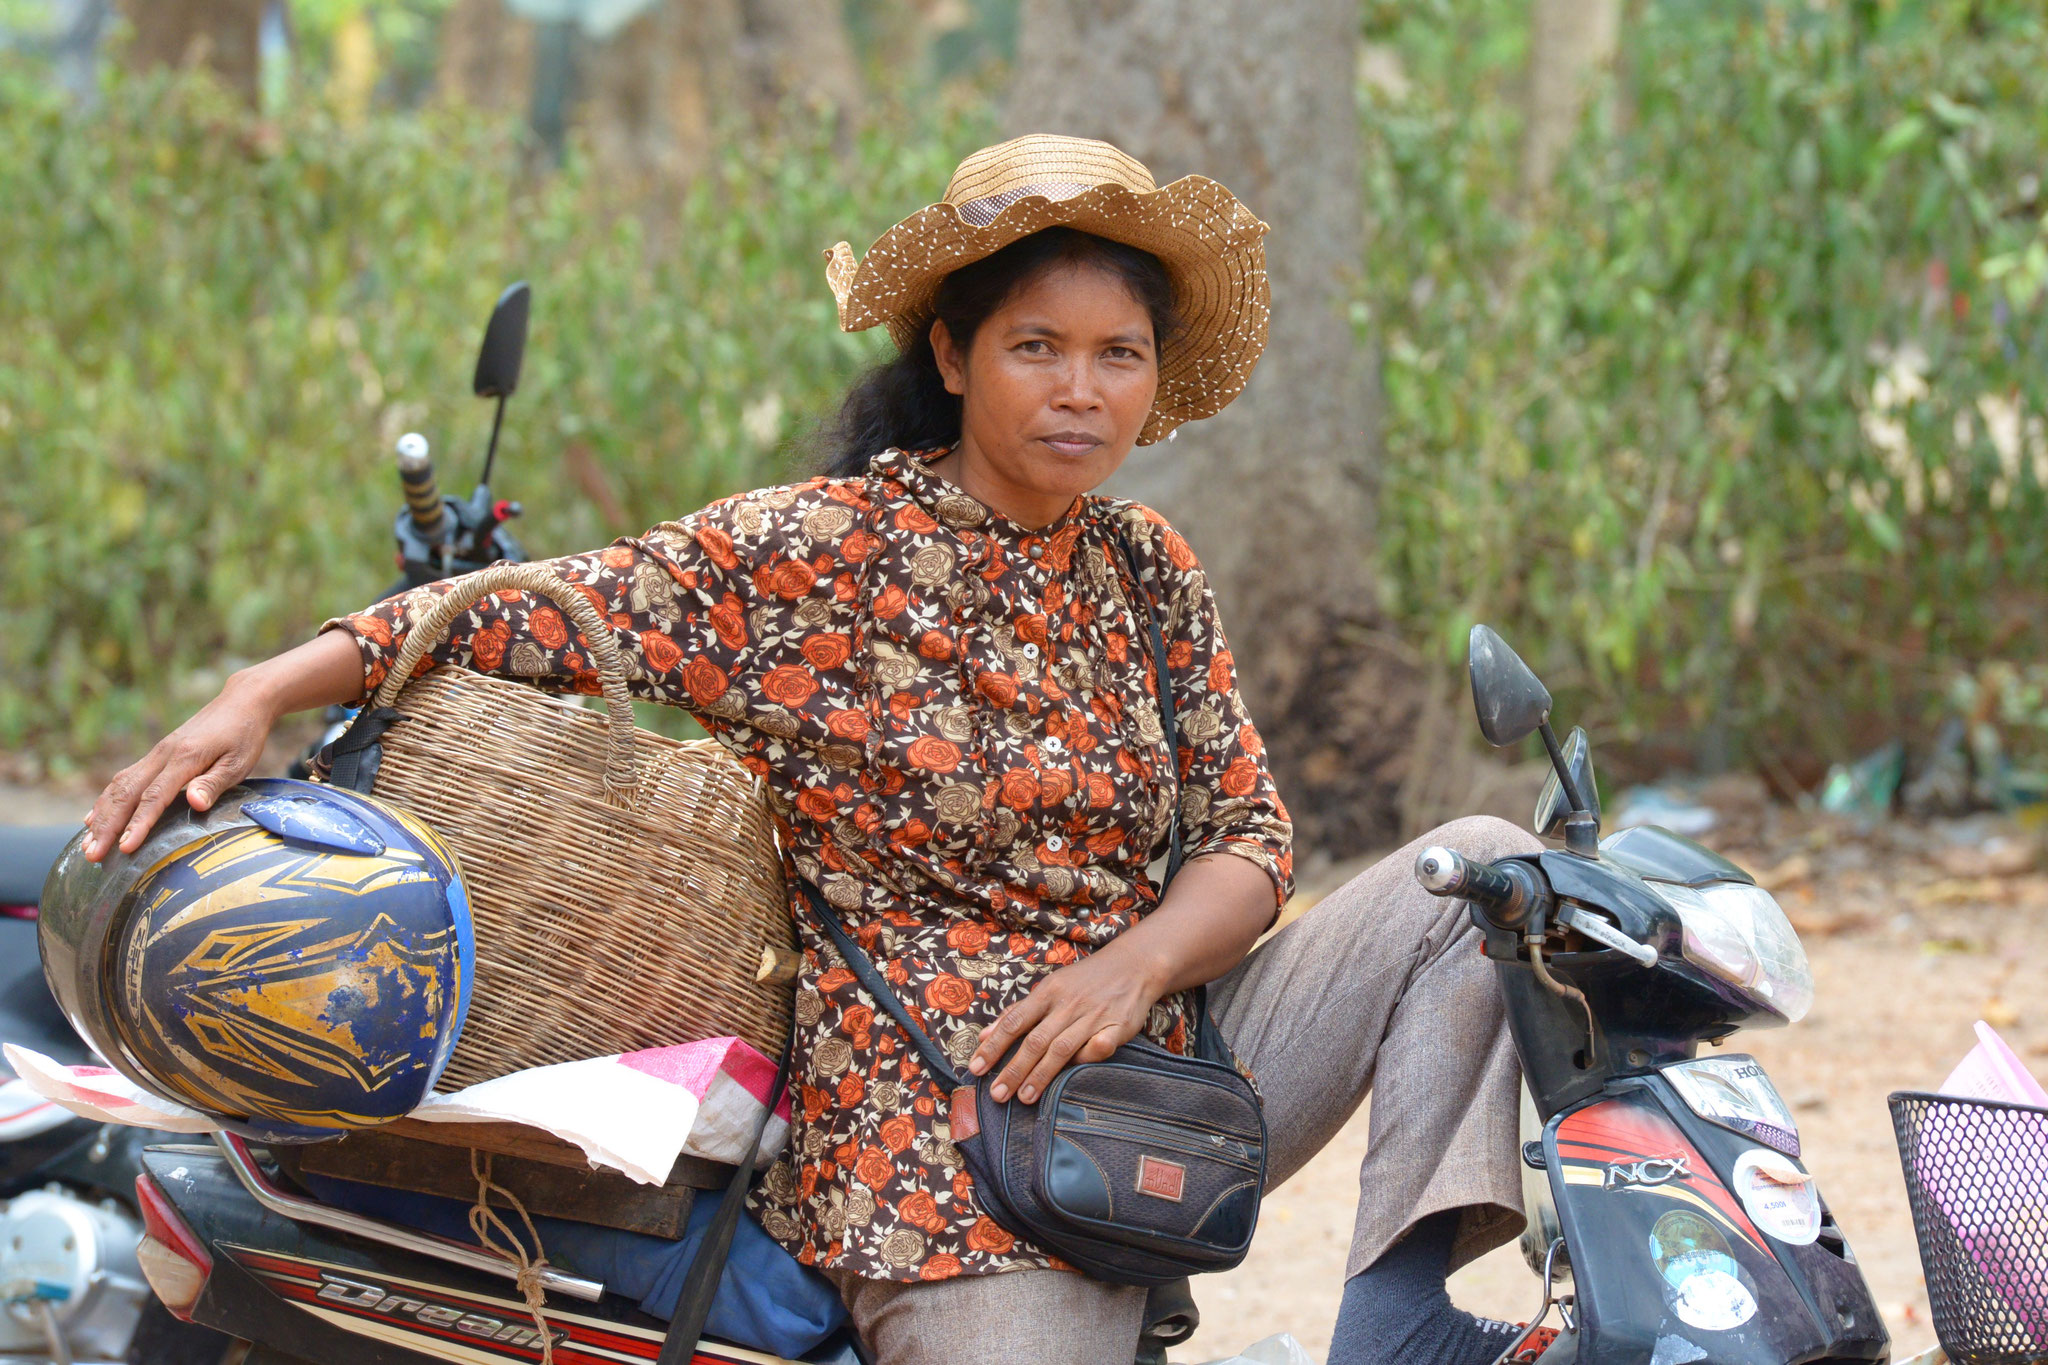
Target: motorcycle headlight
[{"x": 1737, "y": 932}]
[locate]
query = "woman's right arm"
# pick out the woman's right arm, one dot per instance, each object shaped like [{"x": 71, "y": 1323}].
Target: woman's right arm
[
  {"x": 676, "y": 600},
  {"x": 220, "y": 744}
]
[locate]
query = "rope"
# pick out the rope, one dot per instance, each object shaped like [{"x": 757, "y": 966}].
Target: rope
[{"x": 484, "y": 1222}]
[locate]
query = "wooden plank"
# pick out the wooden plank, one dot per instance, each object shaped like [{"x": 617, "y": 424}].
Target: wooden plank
[
  {"x": 499, "y": 1139},
  {"x": 546, "y": 1188},
  {"x": 534, "y": 1144}
]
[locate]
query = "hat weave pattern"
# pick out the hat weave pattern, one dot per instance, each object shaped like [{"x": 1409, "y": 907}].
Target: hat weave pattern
[{"x": 1212, "y": 246}]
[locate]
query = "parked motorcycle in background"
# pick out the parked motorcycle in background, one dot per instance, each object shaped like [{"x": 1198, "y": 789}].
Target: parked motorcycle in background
[
  {"x": 70, "y": 1285},
  {"x": 440, "y": 536}
]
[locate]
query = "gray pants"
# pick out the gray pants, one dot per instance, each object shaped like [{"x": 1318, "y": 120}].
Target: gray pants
[{"x": 1378, "y": 989}]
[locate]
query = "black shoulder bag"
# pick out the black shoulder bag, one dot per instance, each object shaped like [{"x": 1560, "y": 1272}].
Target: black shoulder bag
[{"x": 1141, "y": 1169}]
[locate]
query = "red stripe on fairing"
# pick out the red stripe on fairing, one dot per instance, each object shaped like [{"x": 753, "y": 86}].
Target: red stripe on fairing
[
  {"x": 276, "y": 1265},
  {"x": 1628, "y": 1132}
]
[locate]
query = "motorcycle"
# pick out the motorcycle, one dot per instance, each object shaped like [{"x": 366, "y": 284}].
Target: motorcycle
[
  {"x": 1671, "y": 1220},
  {"x": 70, "y": 1284}
]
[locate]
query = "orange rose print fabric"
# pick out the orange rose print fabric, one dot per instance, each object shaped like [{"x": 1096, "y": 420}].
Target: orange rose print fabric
[{"x": 959, "y": 728}]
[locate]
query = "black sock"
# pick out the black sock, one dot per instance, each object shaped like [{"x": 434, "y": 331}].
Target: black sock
[{"x": 1397, "y": 1308}]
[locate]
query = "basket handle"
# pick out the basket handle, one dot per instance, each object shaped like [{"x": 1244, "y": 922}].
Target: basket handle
[{"x": 465, "y": 592}]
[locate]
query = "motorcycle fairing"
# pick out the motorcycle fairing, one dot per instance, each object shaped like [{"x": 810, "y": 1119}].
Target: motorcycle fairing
[
  {"x": 482, "y": 1329},
  {"x": 1618, "y": 1165},
  {"x": 267, "y": 1278}
]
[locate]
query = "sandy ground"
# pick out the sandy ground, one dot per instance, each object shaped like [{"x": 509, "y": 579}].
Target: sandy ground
[{"x": 1906, "y": 955}]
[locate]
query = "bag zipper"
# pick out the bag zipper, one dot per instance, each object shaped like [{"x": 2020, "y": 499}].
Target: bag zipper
[
  {"x": 1213, "y": 1147},
  {"x": 1140, "y": 1116}
]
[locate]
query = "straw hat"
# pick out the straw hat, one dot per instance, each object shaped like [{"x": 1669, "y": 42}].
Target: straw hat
[{"x": 1212, "y": 246}]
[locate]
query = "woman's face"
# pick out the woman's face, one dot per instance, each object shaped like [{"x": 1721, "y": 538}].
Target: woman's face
[{"x": 1054, "y": 391}]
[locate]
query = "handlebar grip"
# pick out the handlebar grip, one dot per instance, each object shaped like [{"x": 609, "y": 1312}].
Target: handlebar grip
[
  {"x": 422, "y": 495},
  {"x": 1506, "y": 893}
]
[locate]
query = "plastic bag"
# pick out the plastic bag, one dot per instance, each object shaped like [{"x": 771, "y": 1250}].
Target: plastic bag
[{"x": 1276, "y": 1350}]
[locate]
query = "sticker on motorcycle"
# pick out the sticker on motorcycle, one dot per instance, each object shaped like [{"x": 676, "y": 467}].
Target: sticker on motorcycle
[
  {"x": 1705, "y": 1285},
  {"x": 1646, "y": 1174},
  {"x": 1778, "y": 1196}
]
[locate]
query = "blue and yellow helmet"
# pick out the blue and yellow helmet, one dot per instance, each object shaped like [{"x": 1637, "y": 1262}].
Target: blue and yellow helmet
[{"x": 295, "y": 961}]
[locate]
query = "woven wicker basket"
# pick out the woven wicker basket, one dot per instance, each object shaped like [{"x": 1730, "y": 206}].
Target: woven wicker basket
[{"x": 626, "y": 887}]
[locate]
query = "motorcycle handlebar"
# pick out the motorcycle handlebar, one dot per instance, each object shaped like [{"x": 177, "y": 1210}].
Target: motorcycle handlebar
[
  {"x": 422, "y": 495},
  {"x": 1507, "y": 893}
]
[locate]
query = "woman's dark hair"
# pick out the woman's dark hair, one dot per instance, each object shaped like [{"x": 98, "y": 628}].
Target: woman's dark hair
[{"x": 903, "y": 402}]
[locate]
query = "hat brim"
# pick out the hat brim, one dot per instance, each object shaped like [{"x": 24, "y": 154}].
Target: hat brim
[{"x": 1212, "y": 246}]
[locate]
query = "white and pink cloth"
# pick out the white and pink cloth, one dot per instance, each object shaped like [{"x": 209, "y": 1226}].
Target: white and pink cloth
[{"x": 633, "y": 1112}]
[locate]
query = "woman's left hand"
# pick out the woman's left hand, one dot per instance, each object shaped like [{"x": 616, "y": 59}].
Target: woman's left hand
[{"x": 1084, "y": 1011}]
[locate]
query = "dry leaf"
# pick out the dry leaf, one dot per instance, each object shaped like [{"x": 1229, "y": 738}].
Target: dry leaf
[
  {"x": 1797, "y": 868},
  {"x": 2002, "y": 855},
  {"x": 1824, "y": 923},
  {"x": 1960, "y": 891}
]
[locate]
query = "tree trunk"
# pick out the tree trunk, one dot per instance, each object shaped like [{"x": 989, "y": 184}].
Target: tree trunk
[
  {"x": 656, "y": 88},
  {"x": 1571, "y": 43},
  {"x": 223, "y": 36},
  {"x": 800, "y": 49},
  {"x": 486, "y": 56},
  {"x": 652, "y": 98},
  {"x": 1277, "y": 492}
]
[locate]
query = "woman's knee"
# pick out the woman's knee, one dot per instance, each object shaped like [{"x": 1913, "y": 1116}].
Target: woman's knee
[{"x": 1483, "y": 837}]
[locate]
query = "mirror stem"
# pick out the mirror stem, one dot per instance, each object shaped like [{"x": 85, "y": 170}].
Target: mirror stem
[
  {"x": 491, "y": 451},
  {"x": 1564, "y": 772},
  {"x": 1581, "y": 830}
]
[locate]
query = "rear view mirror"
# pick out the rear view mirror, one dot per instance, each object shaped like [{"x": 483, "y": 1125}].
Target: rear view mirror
[
  {"x": 1511, "y": 701},
  {"x": 497, "y": 364},
  {"x": 1553, "y": 805}
]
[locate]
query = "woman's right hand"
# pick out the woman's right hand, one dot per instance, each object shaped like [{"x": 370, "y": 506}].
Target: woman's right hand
[
  {"x": 209, "y": 753},
  {"x": 220, "y": 745}
]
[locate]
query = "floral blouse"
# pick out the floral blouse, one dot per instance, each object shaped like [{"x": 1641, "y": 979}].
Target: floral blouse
[{"x": 956, "y": 721}]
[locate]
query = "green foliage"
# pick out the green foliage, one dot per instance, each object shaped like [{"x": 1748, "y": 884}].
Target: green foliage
[
  {"x": 406, "y": 34},
  {"x": 1737, "y": 433},
  {"x": 215, "y": 327}
]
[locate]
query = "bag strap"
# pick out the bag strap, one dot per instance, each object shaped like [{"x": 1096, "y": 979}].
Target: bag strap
[
  {"x": 863, "y": 968},
  {"x": 1168, "y": 721},
  {"x": 1209, "y": 1043},
  {"x": 356, "y": 753},
  {"x": 707, "y": 1267}
]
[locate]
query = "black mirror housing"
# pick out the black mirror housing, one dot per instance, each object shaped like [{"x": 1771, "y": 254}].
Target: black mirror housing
[
  {"x": 497, "y": 363},
  {"x": 1511, "y": 700}
]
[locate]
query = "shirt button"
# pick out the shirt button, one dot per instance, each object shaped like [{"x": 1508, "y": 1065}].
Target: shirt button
[
  {"x": 1052, "y": 746},
  {"x": 1031, "y": 651},
  {"x": 1035, "y": 550},
  {"x": 1054, "y": 842}
]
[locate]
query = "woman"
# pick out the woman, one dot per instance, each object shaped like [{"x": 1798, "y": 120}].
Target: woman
[{"x": 933, "y": 654}]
